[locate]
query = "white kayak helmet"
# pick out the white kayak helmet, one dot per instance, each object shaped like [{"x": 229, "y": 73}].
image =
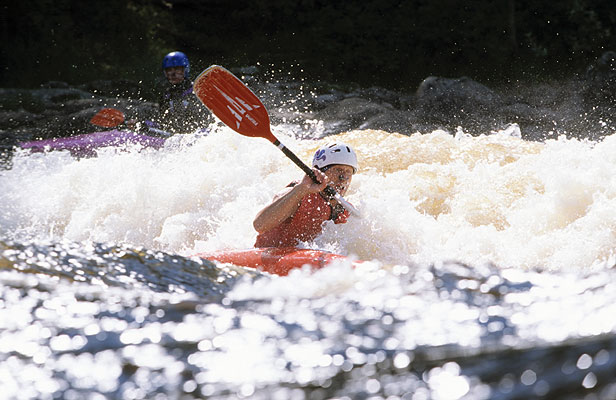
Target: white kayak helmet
[{"x": 336, "y": 153}]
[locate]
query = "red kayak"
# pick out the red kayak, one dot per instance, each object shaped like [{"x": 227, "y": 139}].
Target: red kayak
[
  {"x": 275, "y": 260},
  {"x": 86, "y": 144}
]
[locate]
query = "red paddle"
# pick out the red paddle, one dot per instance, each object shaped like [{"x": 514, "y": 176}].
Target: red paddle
[
  {"x": 112, "y": 118},
  {"x": 240, "y": 109},
  {"x": 108, "y": 118}
]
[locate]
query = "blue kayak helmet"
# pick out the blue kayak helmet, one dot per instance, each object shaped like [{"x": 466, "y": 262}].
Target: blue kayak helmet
[{"x": 177, "y": 59}]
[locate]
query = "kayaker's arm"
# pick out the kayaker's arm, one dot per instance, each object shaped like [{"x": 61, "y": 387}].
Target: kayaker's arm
[{"x": 286, "y": 203}]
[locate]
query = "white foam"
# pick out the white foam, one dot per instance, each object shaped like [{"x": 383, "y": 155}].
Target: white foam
[{"x": 494, "y": 198}]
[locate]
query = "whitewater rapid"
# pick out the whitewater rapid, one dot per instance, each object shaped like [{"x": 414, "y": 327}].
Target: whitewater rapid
[
  {"x": 434, "y": 196},
  {"x": 493, "y": 275}
]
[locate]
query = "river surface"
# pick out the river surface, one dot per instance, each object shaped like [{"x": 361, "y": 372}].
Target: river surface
[{"x": 490, "y": 276}]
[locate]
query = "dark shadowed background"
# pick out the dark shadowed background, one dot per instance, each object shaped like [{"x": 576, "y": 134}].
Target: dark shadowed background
[{"x": 389, "y": 43}]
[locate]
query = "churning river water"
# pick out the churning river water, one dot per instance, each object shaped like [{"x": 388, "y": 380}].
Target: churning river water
[{"x": 491, "y": 276}]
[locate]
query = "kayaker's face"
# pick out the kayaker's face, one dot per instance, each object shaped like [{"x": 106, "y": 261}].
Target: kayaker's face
[
  {"x": 174, "y": 75},
  {"x": 340, "y": 177}
]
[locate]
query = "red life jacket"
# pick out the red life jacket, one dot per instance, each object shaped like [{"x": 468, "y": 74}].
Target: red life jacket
[{"x": 304, "y": 225}]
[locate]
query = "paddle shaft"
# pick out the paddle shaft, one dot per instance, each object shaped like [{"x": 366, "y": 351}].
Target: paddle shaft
[
  {"x": 296, "y": 160},
  {"x": 160, "y": 132}
]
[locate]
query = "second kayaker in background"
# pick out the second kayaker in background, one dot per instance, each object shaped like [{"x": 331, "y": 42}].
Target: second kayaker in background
[
  {"x": 179, "y": 110},
  {"x": 297, "y": 213}
]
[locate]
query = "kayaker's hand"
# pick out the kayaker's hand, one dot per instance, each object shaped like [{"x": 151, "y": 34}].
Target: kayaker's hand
[
  {"x": 310, "y": 186},
  {"x": 132, "y": 124}
]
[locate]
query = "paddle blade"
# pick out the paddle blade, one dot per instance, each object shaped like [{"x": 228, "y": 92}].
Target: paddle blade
[
  {"x": 233, "y": 103},
  {"x": 108, "y": 118}
]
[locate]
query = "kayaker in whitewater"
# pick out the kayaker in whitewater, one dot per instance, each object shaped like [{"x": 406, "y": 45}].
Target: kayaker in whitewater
[
  {"x": 298, "y": 212},
  {"x": 179, "y": 110}
]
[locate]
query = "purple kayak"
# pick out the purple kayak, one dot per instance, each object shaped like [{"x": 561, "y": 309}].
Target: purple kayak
[{"x": 86, "y": 144}]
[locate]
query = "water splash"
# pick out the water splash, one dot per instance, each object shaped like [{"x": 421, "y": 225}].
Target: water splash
[{"x": 425, "y": 197}]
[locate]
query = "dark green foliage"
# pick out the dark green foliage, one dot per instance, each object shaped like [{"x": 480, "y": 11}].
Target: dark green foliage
[
  {"x": 391, "y": 43},
  {"x": 77, "y": 41}
]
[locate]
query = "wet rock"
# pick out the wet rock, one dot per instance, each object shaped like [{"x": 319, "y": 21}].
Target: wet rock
[
  {"x": 579, "y": 108},
  {"x": 53, "y": 96},
  {"x": 440, "y": 98},
  {"x": 380, "y": 95},
  {"x": 55, "y": 85},
  {"x": 353, "y": 111},
  {"x": 115, "y": 88},
  {"x": 16, "y": 99},
  {"x": 11, "y": 119},
  {"x": 360, "y": 113},
  {"x": 542, "y": 110},
  {"x": 323, "y": 100}
]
